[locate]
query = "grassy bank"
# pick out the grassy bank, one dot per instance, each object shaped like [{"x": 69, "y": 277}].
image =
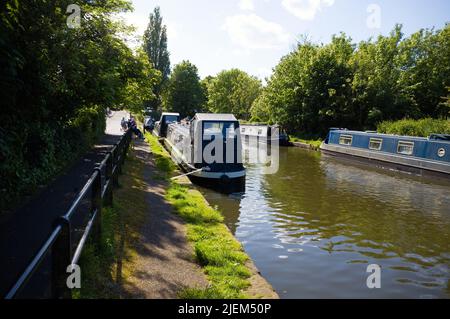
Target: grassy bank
[
  {"x": 314, "y": 142},
  {"x": 216, "y": 250},
  {"x": 106, "y": 265},
  {"x": 423, "y": 127}
]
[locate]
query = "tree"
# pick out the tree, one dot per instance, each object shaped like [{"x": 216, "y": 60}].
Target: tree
[
  {"x": 155, "y": 44},
  {"x": 184, "y": 92},
  {"x": 425, "y": 64},
  {"x": 56, "y": 84},
  {"x": 141, "y": 79},
  {"x": 341, "y": 84},
  {"x": 233, "y": 91}
]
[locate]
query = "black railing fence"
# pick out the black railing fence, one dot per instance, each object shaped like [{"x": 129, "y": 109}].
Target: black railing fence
[{"x": 64, "y": 246}]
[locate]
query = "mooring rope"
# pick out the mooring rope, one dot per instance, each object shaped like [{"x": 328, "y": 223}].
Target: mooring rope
[{"x": 190, "y": 173}]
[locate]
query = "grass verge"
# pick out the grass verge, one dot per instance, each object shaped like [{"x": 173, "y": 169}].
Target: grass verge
[
  {"x": 315, "y": 143},
  {"x": 409, "y": 127},
  {"x": 216, "y": 250},
  {"x": 106, "y": 265}
]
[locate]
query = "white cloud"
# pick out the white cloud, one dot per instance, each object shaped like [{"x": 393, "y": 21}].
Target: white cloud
[
  {"x": 250, "y": 31},
  {"x": 306, "y": 9},
  {"x": 247, "y": 5}
]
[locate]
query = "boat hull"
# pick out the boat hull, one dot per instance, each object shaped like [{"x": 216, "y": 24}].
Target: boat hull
[
  {"x": 411, "y": 165},
  {"x": 225, "y": 182},
  {"x": 224, "y": 185}
]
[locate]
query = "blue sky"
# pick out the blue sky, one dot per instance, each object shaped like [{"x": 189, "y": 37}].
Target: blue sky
[{"x": 254, "y": 34}]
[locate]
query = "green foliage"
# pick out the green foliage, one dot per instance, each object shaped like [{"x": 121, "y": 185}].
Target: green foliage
[
  {"x": 216, "y": 249},
  {"x": 192, "y": 206},
  {"x": 341, "y": 84},
  {"x": 184, "y": 93},
  {"x": 163, "y": 162},
  {"x": 155, "y": 45},
  {"x": 232, "y": 91},
  {"x": 141, "y": 79},
  {"x": 409, "y": 127},
  {"x": 56, "y": 84}
]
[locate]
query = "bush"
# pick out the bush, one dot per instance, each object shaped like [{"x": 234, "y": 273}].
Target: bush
[
  {"x": 31, "y": 156},
  {"x": 423, "y": 127}
]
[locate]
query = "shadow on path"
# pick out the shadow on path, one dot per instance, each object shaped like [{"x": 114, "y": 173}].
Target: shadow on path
[{"x": 165, "y": 263}]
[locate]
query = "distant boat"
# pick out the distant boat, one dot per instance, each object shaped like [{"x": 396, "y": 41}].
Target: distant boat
[
  {"x": 264, "y": 133},
  {"x": 418, "y": 155},
  {"x": 188, "y": 142},
  {"x": 160, "y": 129}
]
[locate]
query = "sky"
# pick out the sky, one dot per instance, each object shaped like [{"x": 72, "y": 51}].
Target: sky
[{"x": 253, "y": 35}]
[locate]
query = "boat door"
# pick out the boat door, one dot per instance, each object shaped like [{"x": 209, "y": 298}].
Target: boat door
[{"x": 224, "y": 152}]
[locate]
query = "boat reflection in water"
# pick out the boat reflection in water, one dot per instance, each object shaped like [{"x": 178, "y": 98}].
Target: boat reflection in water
[{"x": 314, "y": 226}]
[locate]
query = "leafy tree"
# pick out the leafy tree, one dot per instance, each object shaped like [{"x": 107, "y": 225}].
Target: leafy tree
[
  {"x": 376, "y": 89},
  {"x": 56, "y": 84},
  {"x": 316, "y": 87},
  {"x": 155, "y": 44},
  {"x": 184, "y": 92},
  {"x": 425, "y": 65},
  {"x": 233, "y": 91}
]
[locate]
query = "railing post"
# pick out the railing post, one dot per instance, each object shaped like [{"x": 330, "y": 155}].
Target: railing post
[
  {"x": 127, "y": 141},
  {"x": 97, "y": 204},
  {"x": 108, "y": 200},
  {"x": 61, "y": 259},
  {"x": 119, "y": 156}
]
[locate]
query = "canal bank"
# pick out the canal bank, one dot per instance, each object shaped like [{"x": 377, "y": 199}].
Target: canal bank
[
  {"x": 229, "y": 270},
  {"x": 161, "y": 240}
]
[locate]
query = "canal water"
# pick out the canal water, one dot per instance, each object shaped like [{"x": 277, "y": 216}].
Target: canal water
[{"x": 313, "y": 228}]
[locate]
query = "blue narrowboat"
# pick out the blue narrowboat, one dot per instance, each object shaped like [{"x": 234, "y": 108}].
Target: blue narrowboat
[{"x": 416, "y": 155}]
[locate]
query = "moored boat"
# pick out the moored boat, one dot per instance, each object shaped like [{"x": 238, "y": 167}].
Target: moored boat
[
  {"x": 209, "y": 149},
  {"x": 160, "y": 128},
  {"x": 264, "y": 133},
  {"x": 418, "y": 155}
]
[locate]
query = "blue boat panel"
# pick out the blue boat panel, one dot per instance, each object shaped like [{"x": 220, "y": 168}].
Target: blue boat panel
[{"x": 437, "y": 150}]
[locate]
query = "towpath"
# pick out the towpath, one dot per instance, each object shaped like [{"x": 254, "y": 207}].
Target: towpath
[{"x": 165, "y": 263}]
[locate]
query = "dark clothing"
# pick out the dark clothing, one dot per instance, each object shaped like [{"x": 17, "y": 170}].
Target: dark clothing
[{"x": 133, "y": 126}]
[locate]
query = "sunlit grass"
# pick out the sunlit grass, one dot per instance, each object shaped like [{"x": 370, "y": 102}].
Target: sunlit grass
[
  {"x": 313, "y": 142},
  {"x": 216, "y": 250},
  {"x": 106, "y": 266}
]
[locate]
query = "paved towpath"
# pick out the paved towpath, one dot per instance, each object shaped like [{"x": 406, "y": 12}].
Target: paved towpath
[
  {"x": 165, "y": 260},
  {"x": 24, "y": 231}
]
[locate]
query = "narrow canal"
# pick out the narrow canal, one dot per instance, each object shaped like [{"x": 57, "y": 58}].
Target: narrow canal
[{"x": 314, "y": 227}]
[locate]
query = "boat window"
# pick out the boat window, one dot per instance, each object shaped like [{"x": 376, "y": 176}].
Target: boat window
[
  {"x": 346, "y": 139},
  {"x": 375, "y": 144},
  {"x": 243, "y": 129},
  {"x": 218, "y": 128},
  {"x": 405, "y": 148},
  {"x": 171, "y": 119},
  {"x": 260, "y": 131}
]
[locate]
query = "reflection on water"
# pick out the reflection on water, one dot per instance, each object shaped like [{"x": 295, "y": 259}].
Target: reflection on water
[{"x": 313, "y": 228}]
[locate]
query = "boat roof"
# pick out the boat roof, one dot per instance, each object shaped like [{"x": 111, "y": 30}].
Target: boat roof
[
  {"x": 215, "y": 117},
  {"x": 372, "y": 133},
  {"x": 170, "y": 113}
]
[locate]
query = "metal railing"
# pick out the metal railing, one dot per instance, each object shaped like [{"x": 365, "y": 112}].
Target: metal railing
[{"x": 60, "y": 245}]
